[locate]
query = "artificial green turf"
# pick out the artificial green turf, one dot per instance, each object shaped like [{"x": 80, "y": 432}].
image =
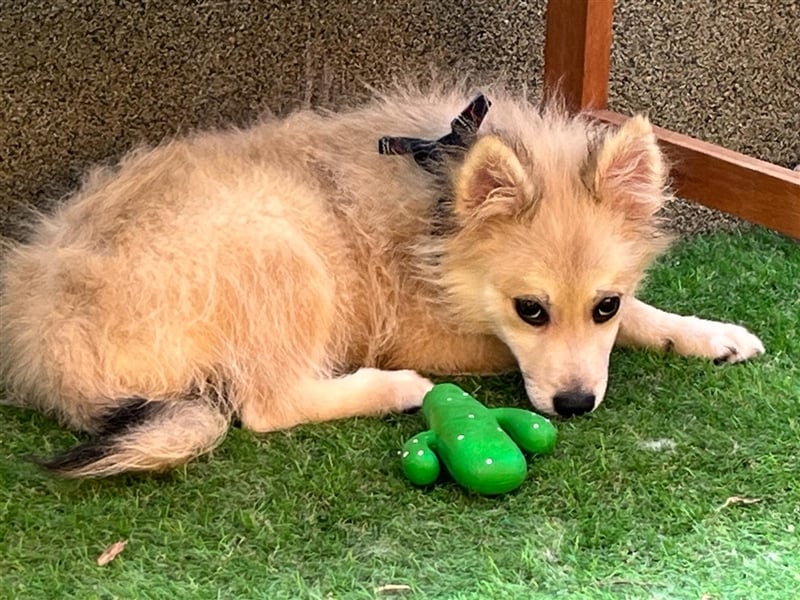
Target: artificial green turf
[{"x": 323, "y": 511}]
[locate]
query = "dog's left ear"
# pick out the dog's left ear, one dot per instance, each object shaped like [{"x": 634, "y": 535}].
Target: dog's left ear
[
  {"x": 630, "y": 170},
  {"x": 491, "y": 182}
]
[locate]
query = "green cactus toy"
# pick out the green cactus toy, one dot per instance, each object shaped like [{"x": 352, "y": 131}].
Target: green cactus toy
[{"x": 481, "y": 447}]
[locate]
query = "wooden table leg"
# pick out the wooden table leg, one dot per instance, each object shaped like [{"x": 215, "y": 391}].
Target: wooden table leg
[{"x": 577, "y": 54}]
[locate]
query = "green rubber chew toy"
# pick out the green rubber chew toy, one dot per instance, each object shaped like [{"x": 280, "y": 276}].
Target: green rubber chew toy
[{"x": 481, "y": 447}]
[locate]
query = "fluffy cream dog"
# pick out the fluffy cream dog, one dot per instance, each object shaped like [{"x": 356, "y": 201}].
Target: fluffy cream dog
[{"x": 289, "y": 273}]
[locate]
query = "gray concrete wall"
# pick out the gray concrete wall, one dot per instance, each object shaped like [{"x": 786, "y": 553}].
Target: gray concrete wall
[{"x": 83, "y": 81}]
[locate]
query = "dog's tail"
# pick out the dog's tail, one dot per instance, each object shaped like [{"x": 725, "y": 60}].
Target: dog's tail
[{"x": 147, "y": 435}]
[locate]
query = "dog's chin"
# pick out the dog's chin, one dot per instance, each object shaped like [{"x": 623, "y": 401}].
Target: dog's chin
[
  {"x": 540, "y": 402},
  {"x": 544, "y": 408}
]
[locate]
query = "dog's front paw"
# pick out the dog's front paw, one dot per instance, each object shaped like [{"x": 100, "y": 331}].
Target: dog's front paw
[
  {"x": 721, "y": 342},
  {"x": 408, "y": 388},
  {"x": 401, "y": 390}
]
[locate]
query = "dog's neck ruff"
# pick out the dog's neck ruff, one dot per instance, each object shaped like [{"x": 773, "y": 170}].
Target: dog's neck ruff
[{"x": 430, "y": 154}]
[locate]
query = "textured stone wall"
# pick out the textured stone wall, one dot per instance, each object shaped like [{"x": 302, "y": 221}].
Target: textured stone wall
[{"x": 82, "y": 81}]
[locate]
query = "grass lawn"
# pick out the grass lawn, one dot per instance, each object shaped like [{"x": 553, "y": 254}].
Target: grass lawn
[{"x": 630, "y": 505}]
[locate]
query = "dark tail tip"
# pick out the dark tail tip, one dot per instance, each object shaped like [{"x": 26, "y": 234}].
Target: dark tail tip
[
  {"x": 75, "y": 461},
  {"x": 110, "y": 426},
  {"x": 139, "y": 435}
]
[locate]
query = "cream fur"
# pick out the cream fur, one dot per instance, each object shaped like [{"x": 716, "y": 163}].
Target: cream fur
[{"x": 274, "y": 260}]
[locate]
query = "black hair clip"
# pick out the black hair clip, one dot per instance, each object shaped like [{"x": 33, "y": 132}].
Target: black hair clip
[{"x": 429, "y": 153}]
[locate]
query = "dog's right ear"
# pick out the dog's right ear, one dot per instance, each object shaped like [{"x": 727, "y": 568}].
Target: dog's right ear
[
  {"x": 490, "y": 183},
  {"x": 630, "y": 172}
]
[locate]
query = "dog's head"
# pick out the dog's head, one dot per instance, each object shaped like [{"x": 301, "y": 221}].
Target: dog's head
[{"x": 552, "y": 238}]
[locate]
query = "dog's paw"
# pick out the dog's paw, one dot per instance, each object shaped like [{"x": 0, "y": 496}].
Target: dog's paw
[
  {"x": 720, "y": 342},
  {"x": 393, "y": 390},
  {"x": 407, "y": 388}
]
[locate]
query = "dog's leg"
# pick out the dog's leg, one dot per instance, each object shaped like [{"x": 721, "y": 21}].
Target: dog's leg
[
  {"x": 646, "y": 326},
  {"x": 365, "y": 392}
]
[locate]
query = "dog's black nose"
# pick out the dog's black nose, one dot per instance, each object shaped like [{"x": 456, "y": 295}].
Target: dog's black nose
[{"x": 572, "y": 403}]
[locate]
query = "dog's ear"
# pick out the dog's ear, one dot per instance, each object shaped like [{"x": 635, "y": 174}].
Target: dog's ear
[
  {"x": 630, "y": 170},
  {"x": 491, "y": 182}
]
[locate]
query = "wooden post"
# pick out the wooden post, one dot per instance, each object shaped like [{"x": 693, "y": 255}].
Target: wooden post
[{"x": 577, "y": 54}]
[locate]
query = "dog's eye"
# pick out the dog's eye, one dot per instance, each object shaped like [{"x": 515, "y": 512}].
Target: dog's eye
[
  {"x": 531, "y": 311},
  {"x": 605, "y": 309}
]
